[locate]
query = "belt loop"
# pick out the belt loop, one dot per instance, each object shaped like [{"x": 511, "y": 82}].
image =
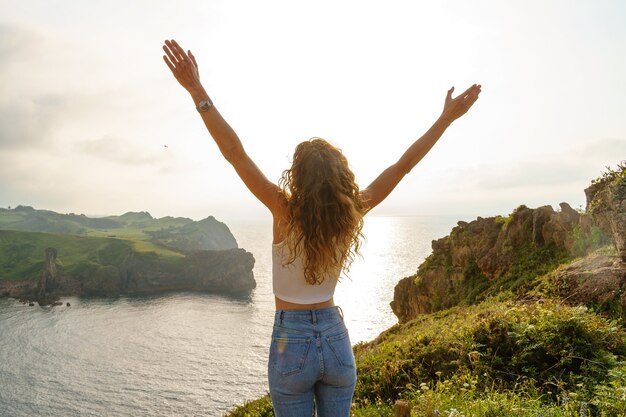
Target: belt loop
[
  {"x": 282, "y": 312},
  {"x": 340, "y": 312},
  {"x": 313, "y": 316}
]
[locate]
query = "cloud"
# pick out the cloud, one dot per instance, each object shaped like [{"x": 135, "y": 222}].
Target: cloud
[
  {"x": 607, "y": 148},
  {"x": 118, "y": 150},
  {"x": 576, "y": 165},
  {"x": 25, "y": 122},
  {"x": 24, "y": 119},
  {"x": 17, "y": 44}
]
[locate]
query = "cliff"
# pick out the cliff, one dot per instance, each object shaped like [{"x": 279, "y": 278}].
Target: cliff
[
  {"x": 490, "y": 255},
  {"x": 131, "y": 253},
  {"x": 606, "y": 203},
  {"x": 507, "y": 317},
  {"x": 228, "y": 271}
]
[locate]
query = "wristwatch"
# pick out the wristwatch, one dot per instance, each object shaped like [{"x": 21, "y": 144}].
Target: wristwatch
[{"x": 204, "y": 105}]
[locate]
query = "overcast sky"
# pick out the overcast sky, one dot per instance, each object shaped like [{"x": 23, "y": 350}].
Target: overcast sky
[{"x": 91, "y": 120}]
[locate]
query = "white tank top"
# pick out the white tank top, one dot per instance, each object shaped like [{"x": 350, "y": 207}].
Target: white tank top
[{"x": 289, "y": 283}]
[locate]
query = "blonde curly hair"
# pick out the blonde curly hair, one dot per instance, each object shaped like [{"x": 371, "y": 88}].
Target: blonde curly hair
[{"x": 324, "y": 219}]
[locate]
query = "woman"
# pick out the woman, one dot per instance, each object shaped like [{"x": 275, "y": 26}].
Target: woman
[{"x": 317, "y": 210}]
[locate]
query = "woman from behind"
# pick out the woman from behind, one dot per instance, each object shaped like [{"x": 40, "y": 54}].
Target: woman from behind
[{"x": 317, "y": 210}]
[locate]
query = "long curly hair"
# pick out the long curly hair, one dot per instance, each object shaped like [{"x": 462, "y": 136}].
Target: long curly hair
[{"x": 324, "y": 218}]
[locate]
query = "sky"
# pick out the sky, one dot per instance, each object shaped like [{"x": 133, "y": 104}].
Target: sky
[{"x": 92, "y": 121}]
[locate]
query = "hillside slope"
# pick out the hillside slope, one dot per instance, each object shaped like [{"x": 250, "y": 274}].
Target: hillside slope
[
  {"x": 177, "y": 233},
  {"x": 510, "y": 316}
]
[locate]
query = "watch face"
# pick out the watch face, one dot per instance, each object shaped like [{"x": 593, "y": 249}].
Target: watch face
[{"x": 204, "y": 105}]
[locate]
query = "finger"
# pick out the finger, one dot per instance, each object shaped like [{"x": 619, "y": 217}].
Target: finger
[
  {"x": 449, "y": 95},
  {"x": 193, "y": 58},
  {"x": 178, "y": 50},
  {"x": 474, "y": 98},
  {"x": 170, "y": 55},
  {"x": 466, "y": 92},
  {"x": 471, "y": 101},
  {"x": 169, "y": 64},
  {"x": 174, "y": 53}
]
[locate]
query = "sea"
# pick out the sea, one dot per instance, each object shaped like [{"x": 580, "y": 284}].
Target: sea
[{"x": 186, "y": 354}]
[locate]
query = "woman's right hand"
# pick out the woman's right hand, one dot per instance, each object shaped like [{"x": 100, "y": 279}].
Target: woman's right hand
[
  {"x": 183, "y": 65},
  {"x": 458, "y": 106}
]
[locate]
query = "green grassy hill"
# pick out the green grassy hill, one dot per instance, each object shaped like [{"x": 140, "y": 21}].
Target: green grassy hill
[
  {"x": 509, "y": 316},
  {"x": 499, "y": 358},
  {"x": 147, "y": 233},
  {"x": 22, "y": 253}
]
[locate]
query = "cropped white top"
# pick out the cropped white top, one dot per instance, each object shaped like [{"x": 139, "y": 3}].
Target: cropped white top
[{"x": 289, "y": 283}]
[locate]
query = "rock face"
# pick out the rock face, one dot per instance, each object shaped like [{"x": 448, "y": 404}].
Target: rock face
[
  {"x": 228, "y": 271},
  {"x": 222, "y": 271},
  {"x": 606, "y": 202},
  {"x": 17, "y": 289},
  {"x": 596, "y": 279},
  {"x": 489, "y": 255},
  {"x": 486, "y": 252},
  {"x": 48, "y": 277}
]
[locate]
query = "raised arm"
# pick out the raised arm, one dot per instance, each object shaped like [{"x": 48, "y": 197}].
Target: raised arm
[
  {"x": 453, "y": 108},
  {"x": 185, "y": 70}
]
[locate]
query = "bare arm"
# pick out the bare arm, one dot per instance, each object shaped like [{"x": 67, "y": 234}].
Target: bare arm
[
  {"x": 185, "y": 69},
  {"x": 382, "y": 186}
]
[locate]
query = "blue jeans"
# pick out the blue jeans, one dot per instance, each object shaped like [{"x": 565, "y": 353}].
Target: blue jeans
[{"x": 311, "y": 360}]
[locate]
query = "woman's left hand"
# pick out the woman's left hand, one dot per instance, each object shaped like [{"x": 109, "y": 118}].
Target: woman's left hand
[{"x": 183, "y": 65}]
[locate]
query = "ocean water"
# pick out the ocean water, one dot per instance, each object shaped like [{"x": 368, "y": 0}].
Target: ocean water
[{"x": 185, "y": 354}]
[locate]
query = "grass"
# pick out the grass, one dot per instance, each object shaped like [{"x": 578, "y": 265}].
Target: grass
[
  {"x": 22, "y": 253},
  {"x": 498, "y": 358}
]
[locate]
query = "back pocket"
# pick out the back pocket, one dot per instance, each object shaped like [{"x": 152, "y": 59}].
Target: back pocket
[
  {"x": 340, "y": 345},
  {"x": 287, "y": 355}
]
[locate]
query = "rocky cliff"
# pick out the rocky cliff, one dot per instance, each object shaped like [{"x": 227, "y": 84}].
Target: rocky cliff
[
  {"x": 606, "y": 203},
  {"x": 131, "y": 253},
  {"x": 488, "y": 255},
  {"x": 228, "y": 271}
]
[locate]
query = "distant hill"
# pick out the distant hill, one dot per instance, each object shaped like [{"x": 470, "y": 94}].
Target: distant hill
[
  {"x": 45, "y": 255},
  {"x": 177, "y": 233}
]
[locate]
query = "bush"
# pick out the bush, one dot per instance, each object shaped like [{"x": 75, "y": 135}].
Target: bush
[{"x": 498, "y": 345}]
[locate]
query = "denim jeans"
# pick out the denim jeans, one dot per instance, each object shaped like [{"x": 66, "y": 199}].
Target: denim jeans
[{"x": 311, "y": 360}]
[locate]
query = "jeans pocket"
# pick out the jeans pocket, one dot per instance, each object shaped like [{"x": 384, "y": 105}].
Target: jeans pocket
[
  {"x": 341, "y": 347},
  {"x": 288, "y": 355}
]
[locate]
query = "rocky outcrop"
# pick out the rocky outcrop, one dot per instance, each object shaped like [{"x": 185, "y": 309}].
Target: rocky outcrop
[
  {"x": 228, "y": 271},
  {"x": 606, "y": 203},
  {"x": 488, "y": 255},
  {"x": 48, "y": 276},
  {"x": 598, "y": 280},
  {"x": 17, "y": 289},
  {"x": 221, "y": 271}
]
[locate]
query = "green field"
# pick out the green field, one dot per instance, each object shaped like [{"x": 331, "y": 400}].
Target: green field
[
  {"x": 22, "y": 254},
  {"x": 167, "y": 236},
  {"x": 86, "y": 244}
]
